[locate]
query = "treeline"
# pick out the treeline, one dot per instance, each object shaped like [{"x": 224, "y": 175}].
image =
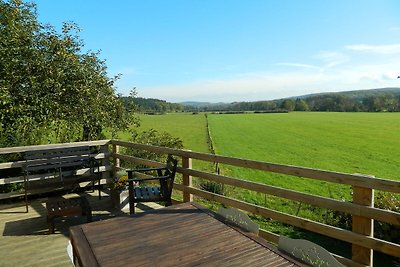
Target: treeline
[
  {"x": 151, "y": 105},
  {"x": 375, "y": 100}
]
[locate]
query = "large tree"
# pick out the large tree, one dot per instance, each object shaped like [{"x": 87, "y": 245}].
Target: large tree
[{"x": 49, "y": 87}]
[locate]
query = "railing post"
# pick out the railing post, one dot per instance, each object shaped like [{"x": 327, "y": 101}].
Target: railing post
[
  {"x": 362, "y": 225},
  {"x": 116, "y": 161},
  {"x": 187, "y": 179},
  {"x": 116, "y": 165},
  {"x": 105, "y": 162}
]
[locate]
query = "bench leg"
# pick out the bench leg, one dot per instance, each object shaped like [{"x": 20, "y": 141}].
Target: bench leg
[
  {"x": 87, "y": 211},
  {"x": 50, "y": 222},
  {"x": 99, "y": 190},
  {"x": 26, "y": 196}
]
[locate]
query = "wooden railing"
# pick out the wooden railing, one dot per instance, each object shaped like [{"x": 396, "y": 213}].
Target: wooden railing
[{"x": 361, "y": 207}]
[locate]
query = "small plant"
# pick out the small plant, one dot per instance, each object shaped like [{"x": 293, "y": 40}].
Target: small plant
[
  {"x": 120, "y": 182},
  {"x": 212, "y": 187}
]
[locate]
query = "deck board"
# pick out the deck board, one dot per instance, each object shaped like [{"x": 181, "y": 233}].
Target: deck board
[{"x": 24, "y": 237}]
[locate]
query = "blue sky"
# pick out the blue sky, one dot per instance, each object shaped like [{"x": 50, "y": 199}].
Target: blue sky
[{"x": 215, "y": 50}]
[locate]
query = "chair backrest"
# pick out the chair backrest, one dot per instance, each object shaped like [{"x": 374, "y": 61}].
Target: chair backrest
[
  {"x": 308, "y": 252},
  {"x": 237, "y": 218},
  {"x": 170, "y": 170}
]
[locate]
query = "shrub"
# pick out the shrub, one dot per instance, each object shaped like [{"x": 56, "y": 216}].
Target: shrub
[
  {"x": 212, "y": 187},
  {"x": 155, "y": 138},
  {"x": 382, "y": 230},
  {"x": 386, "y": 231}
]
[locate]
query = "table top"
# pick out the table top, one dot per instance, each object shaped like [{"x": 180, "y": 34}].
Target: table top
[{"x": 180, "y": 235}]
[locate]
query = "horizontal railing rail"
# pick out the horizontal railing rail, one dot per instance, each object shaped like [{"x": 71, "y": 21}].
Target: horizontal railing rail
[{"x": 363, "y": 213}]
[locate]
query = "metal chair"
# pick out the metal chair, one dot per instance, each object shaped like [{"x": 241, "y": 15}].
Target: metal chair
[{"x": 165, "y": 176}]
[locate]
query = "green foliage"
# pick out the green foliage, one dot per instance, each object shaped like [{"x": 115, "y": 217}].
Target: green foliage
[
  {"x": 5, "y": 188},
  {"x": 288, "y": 104},
  {"x": 120, "y": 181},
  {"x": 153, "y": 137},
  {"x": 49, "y": 85},
  {"x": 301, "y": 105},
  {"x": 387, "y": 201},
  {"x": 212, "y": 187},
  {"x": 382, "y": 230},
  {"x": 153, "y": 106}
]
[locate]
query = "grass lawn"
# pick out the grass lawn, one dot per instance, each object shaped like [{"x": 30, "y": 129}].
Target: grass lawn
[
  {"x": 366, "y": 143},
  {"x": 190, "y": 128}
]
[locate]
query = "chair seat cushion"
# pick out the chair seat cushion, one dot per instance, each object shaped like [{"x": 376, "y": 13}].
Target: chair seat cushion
[{"x": 147, "y": 193}]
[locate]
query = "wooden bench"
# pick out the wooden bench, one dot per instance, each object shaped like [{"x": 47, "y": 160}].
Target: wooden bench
[
  {"x": 58, "y": 169},
  {"x": 62, "y": 207}
]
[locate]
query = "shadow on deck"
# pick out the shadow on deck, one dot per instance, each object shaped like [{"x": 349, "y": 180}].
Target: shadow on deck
[{"x": 24, "y": 237}]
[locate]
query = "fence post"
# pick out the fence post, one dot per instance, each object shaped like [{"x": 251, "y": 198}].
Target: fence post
[
  {"x": 362, "y": 225},
  {"x": 187, "y": 179}
]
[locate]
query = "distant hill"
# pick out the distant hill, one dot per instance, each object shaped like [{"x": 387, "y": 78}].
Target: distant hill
[
  {"x": 195, "y": 103},
  {"x": 356, "y": 93},
  {"x": 372, "y": 100}
]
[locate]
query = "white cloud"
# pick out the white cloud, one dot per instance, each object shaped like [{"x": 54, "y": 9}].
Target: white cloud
[
  {"x": 332, "y": 58},
  {"x": 271, "y": 85},
  {"x": 247, "y": 87},
  {"x": 338, "y": 71},
  {"x": 377, "y": 49},
  {"x": 298, "y": 65}
]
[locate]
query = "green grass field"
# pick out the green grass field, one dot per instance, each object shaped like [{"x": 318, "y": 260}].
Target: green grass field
[
  {"x": 366, "y": 143},
  {"x": 190, "y": 128}
]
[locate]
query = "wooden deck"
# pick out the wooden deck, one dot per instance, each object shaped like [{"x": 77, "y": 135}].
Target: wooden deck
[{"x": 24, "y": 237}]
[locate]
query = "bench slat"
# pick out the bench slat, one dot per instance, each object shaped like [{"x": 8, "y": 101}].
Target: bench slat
[{"x": 54, "y": 153}]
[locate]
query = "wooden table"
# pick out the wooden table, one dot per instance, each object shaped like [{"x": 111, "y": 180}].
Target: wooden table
[{"x": 180, "y": 235}]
